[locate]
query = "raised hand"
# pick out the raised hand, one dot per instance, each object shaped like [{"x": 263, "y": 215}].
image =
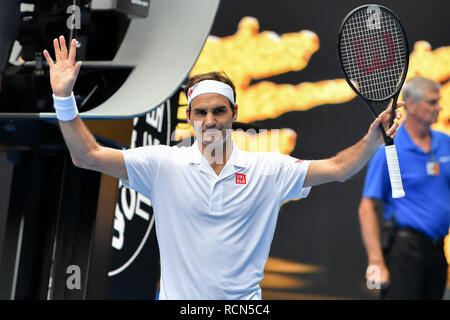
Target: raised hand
[
  {"x": 375, "y": 135},
  {"x": 64, "y": 72}
]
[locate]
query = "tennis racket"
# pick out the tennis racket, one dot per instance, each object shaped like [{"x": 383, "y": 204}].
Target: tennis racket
[{"x": 373, "y": 55}]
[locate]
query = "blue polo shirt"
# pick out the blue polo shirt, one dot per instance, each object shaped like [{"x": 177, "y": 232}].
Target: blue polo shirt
[{"x": 426, "y": 206}]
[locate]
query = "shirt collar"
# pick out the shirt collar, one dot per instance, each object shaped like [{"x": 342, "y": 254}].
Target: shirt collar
[
  {"x": 404, "y": 139},
  {"x": 236, "y": 158}
]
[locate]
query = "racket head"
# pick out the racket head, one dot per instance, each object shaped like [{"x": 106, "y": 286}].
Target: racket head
[{"x": 373, "y": 52}]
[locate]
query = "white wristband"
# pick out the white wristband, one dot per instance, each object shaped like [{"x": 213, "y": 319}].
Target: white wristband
[{"x": 66, "y": 108}]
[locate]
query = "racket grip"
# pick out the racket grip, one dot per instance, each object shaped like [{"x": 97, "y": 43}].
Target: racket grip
[{"x": 394, "y": 172}]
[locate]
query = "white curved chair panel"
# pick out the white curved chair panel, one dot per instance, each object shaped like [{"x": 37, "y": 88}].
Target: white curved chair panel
[{"x": 163, "y": 49}]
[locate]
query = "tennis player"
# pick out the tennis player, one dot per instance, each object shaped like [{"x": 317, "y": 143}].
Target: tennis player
[{"x": 215, "y": 206}]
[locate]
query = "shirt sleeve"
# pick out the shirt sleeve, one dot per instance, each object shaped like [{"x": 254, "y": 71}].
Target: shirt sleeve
[
  {"x": 377, "y": 184},
  {"x": 142, "y": 166},
  {"x": 290, "y": 175}
]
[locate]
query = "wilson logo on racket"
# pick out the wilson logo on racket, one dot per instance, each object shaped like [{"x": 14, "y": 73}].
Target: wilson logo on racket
[
  {"x": 374, "y": 44},
  {"x": 240, "y": 178}
]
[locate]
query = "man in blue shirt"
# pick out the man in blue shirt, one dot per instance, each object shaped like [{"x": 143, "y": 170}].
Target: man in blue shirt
[{"x": 408, "y": 259}]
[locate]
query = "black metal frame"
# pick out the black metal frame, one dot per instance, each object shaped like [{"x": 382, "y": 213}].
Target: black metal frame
[{"x": 58, "y": 215}]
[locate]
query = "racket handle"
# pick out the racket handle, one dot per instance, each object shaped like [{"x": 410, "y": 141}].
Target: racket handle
[{"x": 394, "y": 172}]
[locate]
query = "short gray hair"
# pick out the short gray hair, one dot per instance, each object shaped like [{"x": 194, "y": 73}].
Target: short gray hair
[{"x": 414, "y": 88}]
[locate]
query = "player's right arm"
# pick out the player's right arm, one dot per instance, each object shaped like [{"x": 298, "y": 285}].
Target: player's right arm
[
  {"x": 370, "y": 231},
  {"x": 85, "y": 151}
]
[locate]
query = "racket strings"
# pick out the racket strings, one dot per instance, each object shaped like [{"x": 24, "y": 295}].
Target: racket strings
[{"x": 374, "y": 58}]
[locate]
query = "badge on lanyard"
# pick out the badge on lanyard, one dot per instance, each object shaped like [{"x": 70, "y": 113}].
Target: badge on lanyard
[{"x": 432, "y": 168}]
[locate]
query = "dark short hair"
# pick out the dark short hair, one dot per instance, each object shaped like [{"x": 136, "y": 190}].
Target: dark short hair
[{"x": 217, "y": 76}]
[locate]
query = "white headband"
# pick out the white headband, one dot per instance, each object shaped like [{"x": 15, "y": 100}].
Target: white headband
[{"x": 210, "y": 86}]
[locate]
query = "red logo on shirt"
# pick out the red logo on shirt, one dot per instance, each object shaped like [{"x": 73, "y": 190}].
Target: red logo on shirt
[
  {"x": 240, "y": 178},
  {"x": 299, "y": 160}
]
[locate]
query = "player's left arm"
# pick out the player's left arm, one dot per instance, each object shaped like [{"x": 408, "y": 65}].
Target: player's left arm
[{"x": 349, "y": 161}]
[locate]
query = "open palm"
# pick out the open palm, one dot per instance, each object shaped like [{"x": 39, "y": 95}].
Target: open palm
[{"x": 64, "y": 72}]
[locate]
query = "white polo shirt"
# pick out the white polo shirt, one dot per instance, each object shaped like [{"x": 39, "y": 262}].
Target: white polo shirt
[{"x": 214, "y": 232}]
